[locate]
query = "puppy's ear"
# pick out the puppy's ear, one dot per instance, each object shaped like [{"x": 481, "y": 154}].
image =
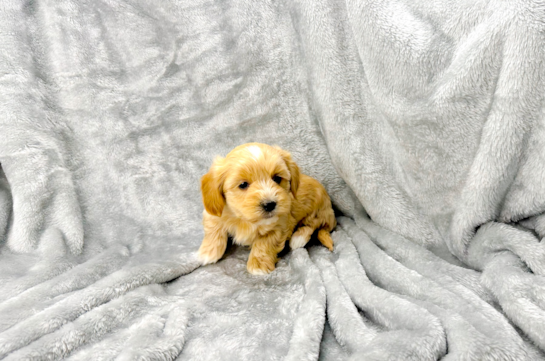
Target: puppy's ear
[
  {"x": 294, "y": 171},
  {"x": 212, "y": 190}
]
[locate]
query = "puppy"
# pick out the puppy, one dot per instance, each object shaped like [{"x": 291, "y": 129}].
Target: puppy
[{"x": 257, "y": 195}]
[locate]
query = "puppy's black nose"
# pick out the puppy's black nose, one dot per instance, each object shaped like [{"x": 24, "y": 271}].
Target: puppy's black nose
[{"x": 269, "y": 206}]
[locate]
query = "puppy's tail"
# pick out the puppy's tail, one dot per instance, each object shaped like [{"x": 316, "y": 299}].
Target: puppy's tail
[{"x": 325, "y": 238}]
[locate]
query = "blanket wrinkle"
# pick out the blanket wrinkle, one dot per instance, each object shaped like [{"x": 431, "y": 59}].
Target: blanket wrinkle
[
  {"x": 424, "y": 121},
  {"x": 80, "y": 303},
  {"x": 346, "y": 324},
  {"x": 70, "y": 278},
  {"x": 308, "y": 327},
  {"x": 415, "y": 284},
  {"x": 409, "y": 331}
]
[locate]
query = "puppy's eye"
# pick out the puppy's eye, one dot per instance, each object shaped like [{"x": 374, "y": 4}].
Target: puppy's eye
[
  {"x": 243, "y": 185},
  {"x": 277, "y": 179}
]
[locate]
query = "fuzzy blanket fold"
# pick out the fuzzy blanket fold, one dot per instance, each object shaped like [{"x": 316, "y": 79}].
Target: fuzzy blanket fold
[{"x": 423, "y": 120}]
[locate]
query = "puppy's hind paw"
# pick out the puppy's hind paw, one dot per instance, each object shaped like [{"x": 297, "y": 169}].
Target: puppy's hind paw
[
  {"x": 301, "y": 237},
  {"x": 298, "y": 241}
]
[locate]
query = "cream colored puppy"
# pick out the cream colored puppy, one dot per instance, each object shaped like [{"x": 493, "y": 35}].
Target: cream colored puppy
[{"x": 257, "y": 195}]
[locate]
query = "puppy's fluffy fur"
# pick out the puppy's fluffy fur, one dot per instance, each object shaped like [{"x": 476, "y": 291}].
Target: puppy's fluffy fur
[{"x": 257, "y": 195}]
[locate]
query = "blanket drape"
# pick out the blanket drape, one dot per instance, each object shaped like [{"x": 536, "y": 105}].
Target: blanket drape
[{"x": 425, "y": 121}]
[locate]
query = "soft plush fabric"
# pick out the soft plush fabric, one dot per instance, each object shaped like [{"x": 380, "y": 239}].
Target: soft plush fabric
[{"x": 424, "y": 120}]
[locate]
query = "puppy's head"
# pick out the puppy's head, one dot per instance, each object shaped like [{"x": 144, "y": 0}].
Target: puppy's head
[{"x": 254, "y": 180}]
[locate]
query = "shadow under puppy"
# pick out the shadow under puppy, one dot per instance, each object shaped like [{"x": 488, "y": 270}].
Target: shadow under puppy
[{"x": 257, "y": 195}]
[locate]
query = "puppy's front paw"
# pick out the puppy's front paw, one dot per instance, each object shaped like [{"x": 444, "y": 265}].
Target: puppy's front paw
[
  {"x": 210, "y": 253},
  {"x": 259, "y": 267}
]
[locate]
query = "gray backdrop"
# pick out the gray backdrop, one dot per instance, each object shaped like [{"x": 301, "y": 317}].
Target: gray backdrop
[{"x": 424, "y": 121}]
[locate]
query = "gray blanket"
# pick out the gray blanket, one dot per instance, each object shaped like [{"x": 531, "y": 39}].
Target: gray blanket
[{"x": 424, "y": 120}]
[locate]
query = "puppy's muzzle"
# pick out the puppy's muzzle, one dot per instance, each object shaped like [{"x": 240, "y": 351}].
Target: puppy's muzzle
[{"x": 268, "y": 206}]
